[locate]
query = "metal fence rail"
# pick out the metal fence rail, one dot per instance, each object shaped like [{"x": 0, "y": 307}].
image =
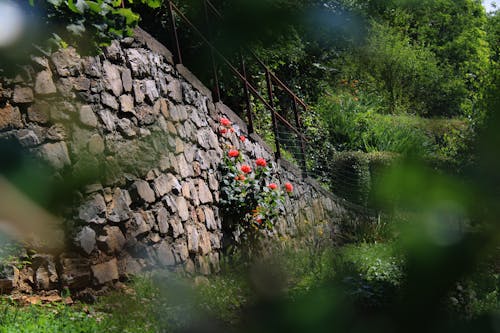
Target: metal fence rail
[{"x": 248, "y": 89}]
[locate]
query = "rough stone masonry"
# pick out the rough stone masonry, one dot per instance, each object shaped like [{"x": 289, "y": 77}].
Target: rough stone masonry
[{"x": 148, "y": 134}]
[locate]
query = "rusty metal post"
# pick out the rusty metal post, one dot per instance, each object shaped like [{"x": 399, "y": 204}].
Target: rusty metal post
[
  {"x": 216, "y": 88},
  {"x": 247, "y": 95},
  {"x": 300, "y": 136},
  {"x": 175, "y": 37},
  {"x": 273, "y": 116}
]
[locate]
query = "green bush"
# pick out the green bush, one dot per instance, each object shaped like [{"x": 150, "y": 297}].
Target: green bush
[
  {"x": 371, "y": 273},
  {"x": 354, "y": 124},
  {"x": 353, "y": 175},
  {"x": 350, "y": 176}
]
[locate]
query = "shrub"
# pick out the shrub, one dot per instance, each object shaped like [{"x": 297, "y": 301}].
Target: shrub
[
  {"x": 350, "y": 176},
  {"x": 372, "y": 273},
  {"x": 250, "y": 197},
  {"x": 353, "y": 175},
  {"x": 354, "y": 124}
]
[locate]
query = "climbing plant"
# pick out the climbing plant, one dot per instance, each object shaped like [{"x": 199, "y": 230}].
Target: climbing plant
[
  {"x": 85, "y": 24},
  {"x": 251, "y": 199}
]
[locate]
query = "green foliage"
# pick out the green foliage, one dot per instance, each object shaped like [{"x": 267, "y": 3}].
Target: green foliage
[
  {"x": 354, "y": 124},
  {"x": 85, "y": 24},
  {"x": 408, "y": 74},
  {"x": 477, "y": 295},
  {"x": 224, "y": 295},
  {"x": 375, "y": 262},
  {"x": 51, "y": 319},
  {"x": 350, "y": 176},
  {"x": 371, "y": 273}
]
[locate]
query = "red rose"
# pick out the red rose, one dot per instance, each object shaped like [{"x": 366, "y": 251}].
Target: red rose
[
  {"x": 261, "y": 162},
  {"x": 246, "y": 169},
  {"x": 223, "y": 131},
  {"x": 225, "y": 122},
  {"x": 231, "y": 130},
  {"x": 242, "y": 138},
  {"x": 288, "y": 187},
  {"x": 272, "y": 186},
  {"x": 259, "y": 221},
  {"x": 233, "y": 153}
]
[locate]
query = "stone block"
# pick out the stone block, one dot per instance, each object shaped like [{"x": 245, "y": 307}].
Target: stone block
[
  {"x": 75, "y": 271},
  {"x": 127, "y": 103},
  {"x": 181, "y": 251},
  {"x": 113, "y": 240},
  {"x": 86, "y": 239},
  {"x": 27, "y": 138},
  {"x": 182, "y": 208},
  {"x": 174, "y": 89},
  {"x": 143, "y": 191},
  {"x": 10, "y": 117},
  {"x": 192, "y": 238},
  {"x": 44, "y": 85},
  {"x": 210, "y": 219},
  {"x": 22, "y": 95},
  {"x": 162, "y": 218},
  {"x": 93, "y": 209},
  {"x": 204, "y": 193},
  {"x": 151, "y": 92},
  {"x": 185, "y": 169},
  {"x": 105, "y": 272},
  {"x": 204, "y": 246},
  {"x": 39, "y": 112},
  {"x": 141, "y": 223},
  {"x": 56, "y": 154},
  {"x": 177, "y": 113},
  {"x": 114, "y": 52},
  {"x": 138, "y": 63},
  {"x": 68, "y": 62},
  {"x": 139, "y": 95},
  {"x": 112, "y": 78},
  {"x": 109, "y": 101},
  {"x": 177, "y": 229},
  {"x": 87, "y": 116},
  {"x": 164, "y": 254},
  {"x": 92, "y": 66},
  {"x": 127, "y": 79},
  {"x": 119, "y": 208},
  {"x": 96, "y": 144}
]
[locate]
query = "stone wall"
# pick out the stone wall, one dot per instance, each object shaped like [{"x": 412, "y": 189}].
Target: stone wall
[{"x": 148, "y": 134}]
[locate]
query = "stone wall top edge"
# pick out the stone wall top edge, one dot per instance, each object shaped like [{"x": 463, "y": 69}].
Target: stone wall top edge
[
  {"x": 153, "y": 44},
  {"x": 194, "y": 81},
  {"x": 288, "y": 166}
]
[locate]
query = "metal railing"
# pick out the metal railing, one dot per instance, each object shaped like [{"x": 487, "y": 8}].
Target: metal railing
[{"x": 248, "y": 89}]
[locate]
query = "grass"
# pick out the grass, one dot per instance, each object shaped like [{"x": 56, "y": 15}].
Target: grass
[
  {"x": 369, "y": 273},
  {"x": 49, "y": 318},
  {"x": 162, "y": 302},
  {"x": 374, "y": 261}
]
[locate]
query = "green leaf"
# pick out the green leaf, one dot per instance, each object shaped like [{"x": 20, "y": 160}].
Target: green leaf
[
  {"x": 153, "y": 3},
  {"x": 130, "y": 17},
  {"x": 76, "y": 29},
  {"x": 97, "y": 7},
  {"x": 79, "y": 7},
  {"x": 56, "y": 3}
]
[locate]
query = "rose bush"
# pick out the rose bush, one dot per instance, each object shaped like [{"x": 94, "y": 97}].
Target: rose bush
[{"x": 250, "y": 198}]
